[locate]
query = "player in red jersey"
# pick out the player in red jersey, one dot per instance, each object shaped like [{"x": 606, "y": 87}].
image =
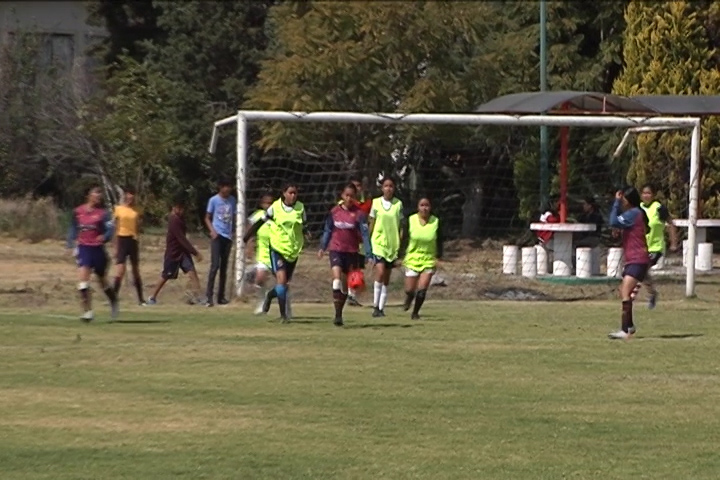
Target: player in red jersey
[{"x": 364, "y": 204}]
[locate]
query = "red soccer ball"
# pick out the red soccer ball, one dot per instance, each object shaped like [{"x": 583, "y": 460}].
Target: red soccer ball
[{"x": 356, "y": 280}]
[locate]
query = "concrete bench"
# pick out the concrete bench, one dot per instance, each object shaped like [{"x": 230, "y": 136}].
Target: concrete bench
[
  {"x": 703, "y": 249},
  {"x": 563, "y": 243}
]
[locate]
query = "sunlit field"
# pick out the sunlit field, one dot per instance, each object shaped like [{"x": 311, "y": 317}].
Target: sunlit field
[{"x": 492, "y": 390}]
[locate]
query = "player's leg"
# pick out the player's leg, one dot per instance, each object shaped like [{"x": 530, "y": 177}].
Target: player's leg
[
  {"x": 170, "y": 271},
  {"x": 214, "y": 267},
  {"x": 120, "y": 268},
  {"x": 188, "y": 267},
  {"x": 422, "y": 288},
  {"x": 411, "y": 282},
  {"x": 289, "y": 272},
  {"x": 384, "y": 287},
  {"x": 352, "y": 294},
  {"x": 135, "y": 264},
  {"x": 338, "y": 268},
  {"x": 225, "y": 248},
  {"x": 100, "y": 261},
  {"x": 632, "y": 275},
  {"x": 378, "y": 286},
  {"x": 84, "y": 271},
  {"x": 262, "y": 272},
  {"x": 279, "y": 266},
  {"x": 649, "y": 283}
]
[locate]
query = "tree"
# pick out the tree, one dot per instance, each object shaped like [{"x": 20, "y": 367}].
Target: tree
[
  {"x": 667, "y": 51},
  {"x": 353, "y": 56}
]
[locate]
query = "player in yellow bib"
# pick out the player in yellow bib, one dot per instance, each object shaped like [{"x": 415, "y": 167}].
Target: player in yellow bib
[
  {"x": 422, "y": 248},
  {"x": 127, "y": 221},
  {"x": 386, "y": 217},
  {"x": 262, "y": 251},
  {"x": 658, "y": 221},
  {"x": 286, "y": 219}
]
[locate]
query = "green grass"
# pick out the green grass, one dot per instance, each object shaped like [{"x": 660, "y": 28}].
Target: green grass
[{"x": 473, "y": 391}]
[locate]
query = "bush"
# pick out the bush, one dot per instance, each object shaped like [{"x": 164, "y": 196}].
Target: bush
[{"x": 31, "y": 219}]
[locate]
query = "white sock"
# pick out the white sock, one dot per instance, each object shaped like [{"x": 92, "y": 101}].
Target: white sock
[
  {"x": 377, "y": 288},
  {"x": 383, "y": 297},
  {"x": 351, "y": 292}
]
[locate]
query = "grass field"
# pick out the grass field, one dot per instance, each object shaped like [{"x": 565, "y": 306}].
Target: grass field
[{"x": 493, "y": 390}]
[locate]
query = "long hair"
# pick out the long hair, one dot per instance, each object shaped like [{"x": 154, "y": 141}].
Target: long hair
[{"x": 633, "y": 198}]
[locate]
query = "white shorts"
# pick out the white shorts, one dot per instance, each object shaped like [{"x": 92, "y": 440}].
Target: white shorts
[
  {"x": 412, "y": 273},
  {"x": 262, "y": 267}
]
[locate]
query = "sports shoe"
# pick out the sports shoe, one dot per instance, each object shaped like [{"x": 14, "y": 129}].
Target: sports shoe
[
  {"x": 415, "y": 316},
  {"x": 151, "y": 301},
  {"x": 621, "y": 334},
  {"x": 352, "y": 301},
  {"x": 377, "y": 313},
  {"x": 88, "y": 316},
  {"x": 284, "y": 319},
  {"x": 223, "y": 301},
  {"x": 338, "y": 322},
  {"x": 652, "y": 301}
]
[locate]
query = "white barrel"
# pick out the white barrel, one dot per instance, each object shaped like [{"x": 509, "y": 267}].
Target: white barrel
[
  {"x": 542, "y": 260},
  {"x": 529, "y": 262},
  {"x": 614, "y": 262},
  {"x": 704, "y": 258},
  {"x": 583, "y": 262},
  {"x": 510, "y": 259},
  {"x": 595, "y": 266}
]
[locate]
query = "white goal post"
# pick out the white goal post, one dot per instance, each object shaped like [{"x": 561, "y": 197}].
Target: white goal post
[{"x": 243, "y": 117}]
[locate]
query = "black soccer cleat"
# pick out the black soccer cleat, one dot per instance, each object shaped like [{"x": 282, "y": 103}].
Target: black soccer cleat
[
  {"x": 338, "y": 322},
  {"x": 415, "y": 316},
  {"x": 223, "y": 301},
  {"x": 352, "y": 301}
]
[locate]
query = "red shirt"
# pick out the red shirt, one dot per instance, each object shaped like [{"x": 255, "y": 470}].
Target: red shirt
[
  {"x": 343, "y": 229},
  {"x": 365, "y": 205},
  {"x": 89, "y": 224},
  {"x": 543, "y": 235}
]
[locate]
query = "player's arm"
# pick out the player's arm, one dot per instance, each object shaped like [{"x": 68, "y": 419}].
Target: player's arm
[
  {"x": 665, "y": 217},
  {"x": 327, "y": 233},
  {"x": 72, "y": 232},
  {"x": 109, "y": 227},
  {"x": 371, "y": 221},
  {"x": 439, "y": 239},
  {"x": 404, "y": 239},
  {"x": 365, "y": 235},
  {"x": 256, "y": 226},
  {"x": 402, "y": 224},
  {"x": 209, "y": 212},
  {"x": 622, "y": 220}
]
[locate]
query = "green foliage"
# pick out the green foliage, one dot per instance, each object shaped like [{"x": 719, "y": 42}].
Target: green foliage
[
  {"x": 667, "y": 51},
  {"x": 140, "y": 146}
]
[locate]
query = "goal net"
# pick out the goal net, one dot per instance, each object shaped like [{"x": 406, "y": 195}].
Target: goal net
[{"x": 486, "y": 193}]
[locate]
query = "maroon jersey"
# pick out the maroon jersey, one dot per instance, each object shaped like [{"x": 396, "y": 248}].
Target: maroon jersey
[
  {"x": 91, "y": 226},
  {"x": 633, "y": 223},
  {"x": 345, "y": 229}
]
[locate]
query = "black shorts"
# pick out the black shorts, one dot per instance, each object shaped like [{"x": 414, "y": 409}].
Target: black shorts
[
  {"x": 127, "y": 247},
  {"x": 388, "y": 264},
  {"x": 278, "y": 262},
  {"x": 171, "y": 268},
  {"x": 655, "y": 258},
  {"x": 638, "y": 271},
  {"x": 360, "y": 261},
  {"x": 347, "y": 261}
]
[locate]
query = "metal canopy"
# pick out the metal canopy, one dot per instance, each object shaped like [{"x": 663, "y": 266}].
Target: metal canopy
[{"x": 597, "y": 102}]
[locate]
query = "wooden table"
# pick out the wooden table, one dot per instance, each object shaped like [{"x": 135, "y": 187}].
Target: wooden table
[{"x": 563, "y": 243}]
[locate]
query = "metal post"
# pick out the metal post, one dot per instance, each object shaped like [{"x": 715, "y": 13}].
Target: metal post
[
  {"x": 693, "y": 209},
  {"x": 544, "y": 155},
  {"x": 241, "y": 214}
]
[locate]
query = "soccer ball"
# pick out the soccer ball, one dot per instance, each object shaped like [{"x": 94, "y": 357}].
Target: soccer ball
[{"x": 356, "y": 280}]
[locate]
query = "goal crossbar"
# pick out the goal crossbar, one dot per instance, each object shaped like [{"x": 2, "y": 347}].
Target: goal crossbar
[{"x": 243, "y": 117}]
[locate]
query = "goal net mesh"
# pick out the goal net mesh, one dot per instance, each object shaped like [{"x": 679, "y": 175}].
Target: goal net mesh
[{"x": 486, "y": 193}]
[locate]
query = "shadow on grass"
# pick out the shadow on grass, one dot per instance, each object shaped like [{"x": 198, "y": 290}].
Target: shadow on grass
[
  {"x": 671, "y": 336},
  {"x": 380, "y": 325},
  {"x": 140, "y": 322}
]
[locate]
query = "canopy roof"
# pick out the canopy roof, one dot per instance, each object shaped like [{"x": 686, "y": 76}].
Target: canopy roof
[{"x": 573, "y": 102}]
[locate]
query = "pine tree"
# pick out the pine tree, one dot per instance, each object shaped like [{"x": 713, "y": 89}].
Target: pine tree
[{"x": 667, "y": 51}]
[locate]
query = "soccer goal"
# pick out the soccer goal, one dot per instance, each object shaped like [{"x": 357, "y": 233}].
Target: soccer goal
[{"x": 244, "y": 118}]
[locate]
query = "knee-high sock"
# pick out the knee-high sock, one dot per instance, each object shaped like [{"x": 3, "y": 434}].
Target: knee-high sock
[
  {"x": 377, "y": 289},
  {"x": 627, "y": 315},
  {"x": 419, "y": 300},
  {"x": 383, "y": 297}
]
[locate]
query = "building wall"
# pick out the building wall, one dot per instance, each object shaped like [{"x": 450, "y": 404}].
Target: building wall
[{"x": 63, "y": 23}]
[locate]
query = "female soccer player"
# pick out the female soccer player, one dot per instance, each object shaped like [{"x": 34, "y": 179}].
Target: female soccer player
[
  {"x": 127, "y": 223},
  {"x": 659, "y": 219},
  {"x": 423, "y": 247},
  {"x": 262, "y": 252},
  {"x": 286, "y": 217},
  {"x": 385, "y": 218},
  {"x": 627, "y": 215},
  {"x": 92, "y": 227},
  {"x": 364, "y": 203},
  {"x": 345, "y": 228}
]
